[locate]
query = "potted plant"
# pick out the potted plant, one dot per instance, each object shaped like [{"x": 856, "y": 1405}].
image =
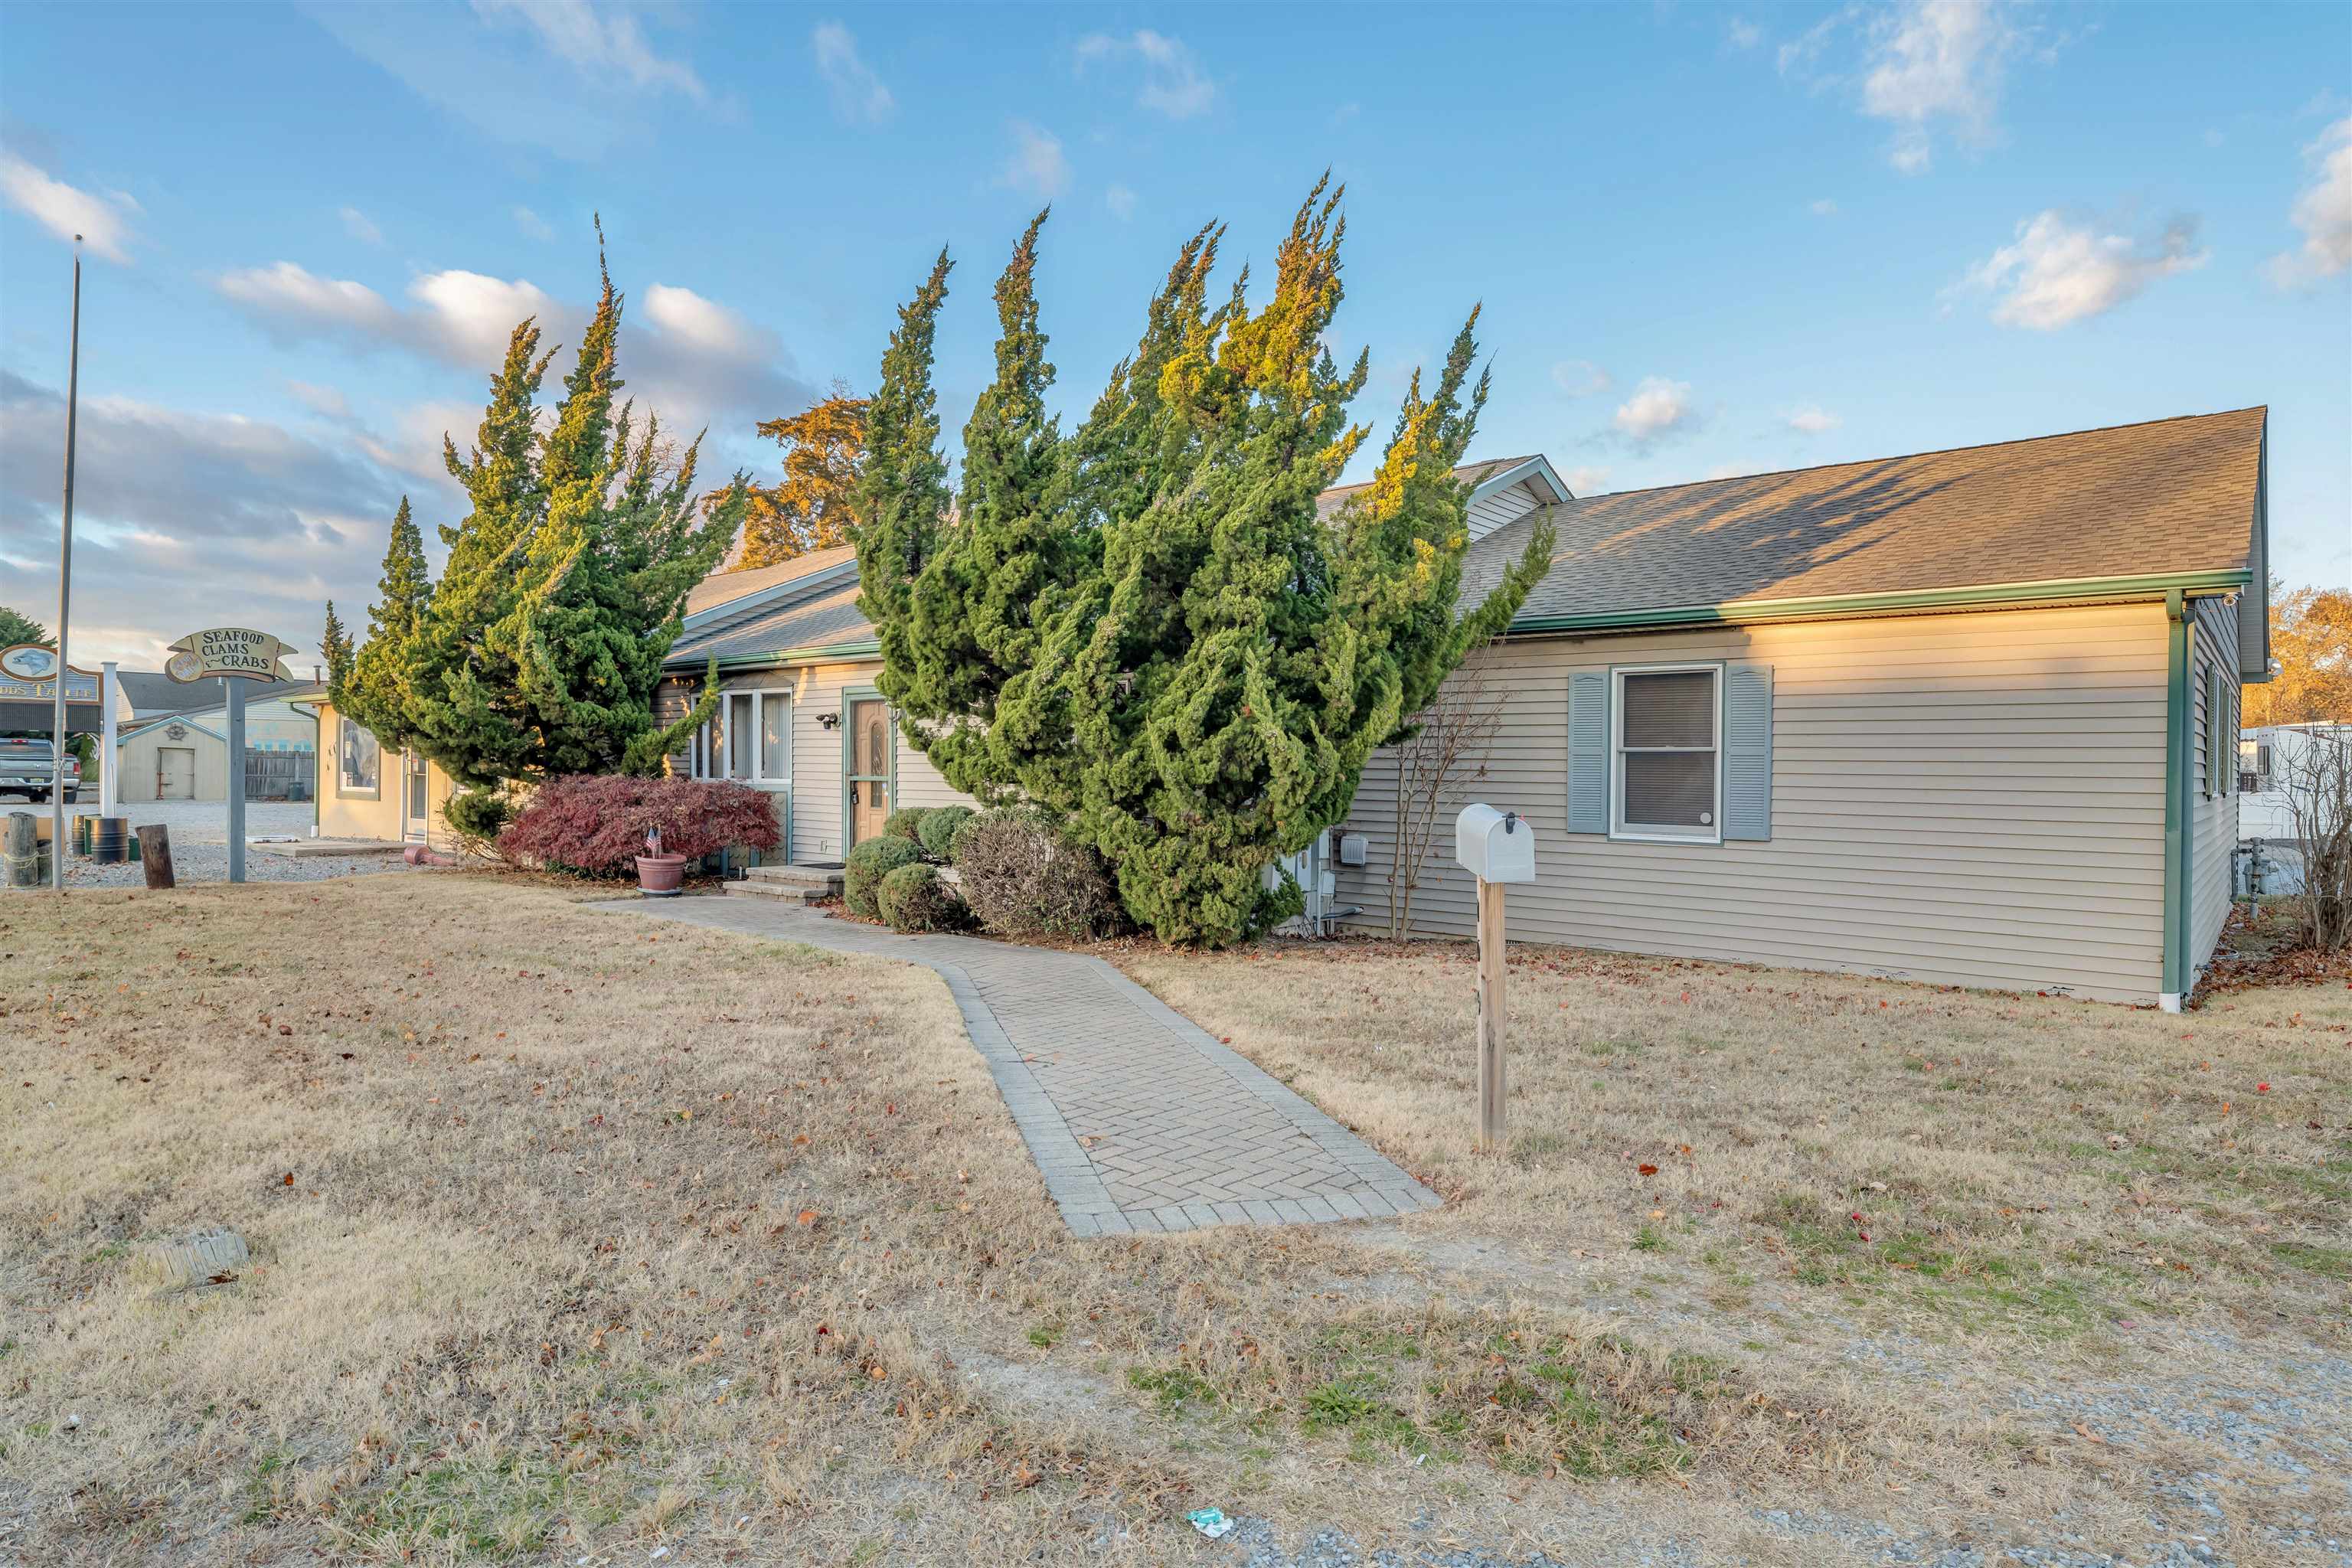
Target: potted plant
[{"x": 659, "y": 876}]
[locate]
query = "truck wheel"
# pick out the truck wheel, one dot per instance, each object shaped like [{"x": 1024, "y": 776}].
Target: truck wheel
[{"x": 73, "y": 797}]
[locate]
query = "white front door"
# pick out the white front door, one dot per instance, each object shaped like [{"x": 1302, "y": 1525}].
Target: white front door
[{"x": 415, "y": 804}]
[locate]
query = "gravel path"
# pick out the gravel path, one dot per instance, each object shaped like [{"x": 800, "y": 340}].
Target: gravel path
[{"x": 200, "y": 844}]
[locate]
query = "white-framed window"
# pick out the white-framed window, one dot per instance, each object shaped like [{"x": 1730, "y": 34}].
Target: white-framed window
[
  {"x": 1665, "y": 746},
  {"x": 2254, "y": 766},
  {"x": 358, "y": 769},
  {"x": 750, "y": 738}
]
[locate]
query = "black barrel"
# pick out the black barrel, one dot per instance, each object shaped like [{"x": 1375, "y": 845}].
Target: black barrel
[{"x": 108, "y": 838}]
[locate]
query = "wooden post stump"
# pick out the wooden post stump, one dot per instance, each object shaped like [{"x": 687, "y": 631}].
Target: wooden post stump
[
  {"x": 23, "y": 851},
  {"x": 155, "y": 853}
]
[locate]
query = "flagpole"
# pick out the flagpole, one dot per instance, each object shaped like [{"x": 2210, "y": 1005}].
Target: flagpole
[{"x": 65, "y": 592}]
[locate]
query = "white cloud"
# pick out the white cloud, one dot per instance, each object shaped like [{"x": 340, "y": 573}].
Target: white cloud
[
  {"x": 532, "y": 225},
  {"x": 603, "y": 44},
  {"x": 1121, "y": 200},
  {"x": 2062, "y": 270},
  {"x": 696, "y": 321},
  {"x": 1658, "y": 408},
  {"x": 1811, "y": 419},
  {"x": 319, "y": 399},
  {"x": 1580, "y": 378},
  {"x": 1823, "y": 208},
  {"x": 1174, "y": 82},
  {"x": 1931, "y": 61},
  {"x": 466, "y": 318},
  {"x": 1586, "y": 480},
  {"x": 1037, "y": 165},
  {"x": 688, "y": 358},
  {"x": 182, "y": 514},
  {"x": 858, "y": 95},
  {"x": 411, "y": 447},
  {"x": 293, "y": 302},
  {"x": 1742, "y": 34},
  {"x": 2324, "y": 212},
  {"x": 67, "y": 211},
  {"x": 358, "y": 225}
]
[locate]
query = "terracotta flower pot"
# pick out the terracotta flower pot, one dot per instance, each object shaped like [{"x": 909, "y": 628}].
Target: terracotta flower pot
[{"x": 660, "y": 876}]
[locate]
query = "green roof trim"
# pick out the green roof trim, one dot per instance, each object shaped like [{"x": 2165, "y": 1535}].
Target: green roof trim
[
  {"x": 1989, "y": 595},
  {"x": 819, "y": 653},
  {"x": 2179, "y": 820}
]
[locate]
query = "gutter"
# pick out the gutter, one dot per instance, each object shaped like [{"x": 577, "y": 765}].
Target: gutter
[
  {"x": 815, "y": 653},
  {"x": 2179, "y": 819},
  {"x": 1832, "y": 606}
]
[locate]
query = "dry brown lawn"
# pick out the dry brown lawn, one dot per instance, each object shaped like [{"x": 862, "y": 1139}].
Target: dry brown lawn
[
  {"x": 1967, "y": 1161},
  {"x": 578, "y": 1237}
]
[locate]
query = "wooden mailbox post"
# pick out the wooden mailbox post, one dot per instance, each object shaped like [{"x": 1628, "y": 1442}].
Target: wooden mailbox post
[{"x": 1498, "y": 848}]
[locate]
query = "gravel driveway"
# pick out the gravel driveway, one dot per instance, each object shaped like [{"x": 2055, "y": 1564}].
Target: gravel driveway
[{"x": 200, "y": 844}]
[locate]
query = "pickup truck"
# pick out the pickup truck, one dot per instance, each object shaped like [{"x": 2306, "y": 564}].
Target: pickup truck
[{"x": 28, "y": 767}]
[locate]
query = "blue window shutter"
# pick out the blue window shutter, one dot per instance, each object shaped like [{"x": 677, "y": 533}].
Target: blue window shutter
[
  {"x": 1587, "y": 750},
  {"x": 1748, "y": 752}
]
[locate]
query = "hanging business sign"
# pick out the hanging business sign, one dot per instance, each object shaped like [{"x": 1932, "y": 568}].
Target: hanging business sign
[
  {"x": 28, "y": 673},
  {"x": 228, "y": 650}
]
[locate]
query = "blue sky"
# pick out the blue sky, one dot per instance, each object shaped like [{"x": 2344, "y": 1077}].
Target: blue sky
[{"x": 1708, "y": 239}]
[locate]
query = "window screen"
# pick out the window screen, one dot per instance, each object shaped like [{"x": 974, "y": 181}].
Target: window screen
[
  {"x": 775, "y": 737},
  {"x": 738, "y": 735},
  {"x": 1666, "y": 746}
]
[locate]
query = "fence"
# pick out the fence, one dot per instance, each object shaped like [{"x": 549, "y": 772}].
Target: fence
[{"x": 280, "y": 775}]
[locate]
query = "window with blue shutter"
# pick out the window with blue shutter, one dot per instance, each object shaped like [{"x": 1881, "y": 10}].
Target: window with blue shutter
[
  {"x": 1587, "y": 750},
  {"x": 1748, "y": 752}
]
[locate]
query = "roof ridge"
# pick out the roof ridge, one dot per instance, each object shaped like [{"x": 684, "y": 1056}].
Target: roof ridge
[{"x": 2262, "y": 409}]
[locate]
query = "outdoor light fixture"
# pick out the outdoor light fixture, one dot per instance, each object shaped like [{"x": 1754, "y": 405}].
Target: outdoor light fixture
[{"x": 829, "y": 720}]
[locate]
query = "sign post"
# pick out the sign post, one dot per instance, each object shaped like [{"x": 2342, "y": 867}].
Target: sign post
[
  {"x": 108, "y": 696},
  {"x": 239, "y": 655},
  {"x": 1498, "y": 848}
]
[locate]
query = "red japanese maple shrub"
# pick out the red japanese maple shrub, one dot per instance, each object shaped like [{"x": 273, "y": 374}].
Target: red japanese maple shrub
[{"x": 595, "y": 825}]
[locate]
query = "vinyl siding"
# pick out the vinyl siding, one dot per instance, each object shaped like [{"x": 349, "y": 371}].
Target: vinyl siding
[
  {"x": 1504, "y": 506},
  {"x": 817, "y": 790},
  {"x": 1966, "y": 799},
  {"x": 2213, "y": 801}
]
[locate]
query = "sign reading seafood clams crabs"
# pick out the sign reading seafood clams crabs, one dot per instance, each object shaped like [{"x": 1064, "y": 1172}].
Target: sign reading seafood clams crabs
[
  {"x": 250, "y": 655},
  {"x": 227, "y": 650}
]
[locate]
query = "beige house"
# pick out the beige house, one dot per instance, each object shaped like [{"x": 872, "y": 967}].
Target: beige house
[
  {"x": 366, "y": 792},
  {"x": 1967, "y": 717}
]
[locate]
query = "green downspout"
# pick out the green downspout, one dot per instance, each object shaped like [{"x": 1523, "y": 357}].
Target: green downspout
[{"x": 2176, "y": 802}]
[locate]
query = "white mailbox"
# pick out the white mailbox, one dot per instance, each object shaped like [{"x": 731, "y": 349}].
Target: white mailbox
[{"x": 1495, "y": 846}]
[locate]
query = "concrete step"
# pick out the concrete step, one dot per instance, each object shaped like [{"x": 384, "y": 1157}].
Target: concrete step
[
  {"x": 824, "y": 878},
  {"x": 777, "y": 892}
]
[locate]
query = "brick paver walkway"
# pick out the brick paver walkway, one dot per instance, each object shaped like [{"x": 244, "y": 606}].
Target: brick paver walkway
[{"x": 1139, "y": 1118}]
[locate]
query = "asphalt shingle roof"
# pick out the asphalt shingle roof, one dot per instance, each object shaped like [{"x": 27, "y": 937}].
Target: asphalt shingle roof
[
  {"x": 2171, "y": 496},
  {"x": 153, "y": 693},
  {"x": 828, "y": 619},
  {"x": 723, "y": 587}
]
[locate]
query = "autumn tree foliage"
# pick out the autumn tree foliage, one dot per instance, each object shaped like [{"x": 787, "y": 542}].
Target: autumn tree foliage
[
  {"x": 1146, "y": 626},
  {"x": 2311, "y": 648},
  {"x": 539, "y": 649},
  {"x": 811, "y": 507}
]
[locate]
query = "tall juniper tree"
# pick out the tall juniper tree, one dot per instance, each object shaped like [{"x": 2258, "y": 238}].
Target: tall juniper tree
[
  {"x": 371, "y": 683},
  {"x": 540, "y": 648},
  {"x": 1187, "y": 661}
]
